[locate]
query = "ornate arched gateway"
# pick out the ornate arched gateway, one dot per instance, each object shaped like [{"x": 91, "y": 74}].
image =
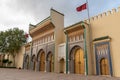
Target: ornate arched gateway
[
  {"x": 77, "y": 60},
  {"x": 50, "y": 62},
  {"x": 103, "y": 58},
  {"x": 33, "y": 62},
  {"x": 27, "y": 62}
]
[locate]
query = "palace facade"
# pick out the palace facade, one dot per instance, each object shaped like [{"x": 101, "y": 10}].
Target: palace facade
[{"x": 89, "y": 47}]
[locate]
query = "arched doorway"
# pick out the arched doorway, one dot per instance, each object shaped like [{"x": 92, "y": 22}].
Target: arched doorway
[
  {"x": 34, "y": 62},
  {"x": 42, "y": 61},
  {"x": 104, "y": 66},
  {"x": 50, "y": 62},
  {"x": 27, "y": 62},
  {"x": 62, "y": 65},
  {"x": 79, "y": 61}
]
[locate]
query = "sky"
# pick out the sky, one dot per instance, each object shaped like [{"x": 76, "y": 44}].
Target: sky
[{"x": 21, "y": 13}]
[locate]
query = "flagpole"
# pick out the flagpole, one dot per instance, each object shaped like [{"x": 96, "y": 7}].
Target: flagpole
[
  {"x": 86, "y": 60},
  {"x": 88, "y": 11}
]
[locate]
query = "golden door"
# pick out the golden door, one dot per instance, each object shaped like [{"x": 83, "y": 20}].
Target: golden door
[
  {"x": 104, "y": 67},
  {"x": 79, "y": 62},
  {"x": 51, "y": 62},
  {"x": 42, "y": 62}
]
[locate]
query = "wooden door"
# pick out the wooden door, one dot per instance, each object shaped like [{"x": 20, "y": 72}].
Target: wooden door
[
  {"x": 104, "y": 67},
  {"x": 42, "y": 62},
  {"x": 79, "y": 62}
]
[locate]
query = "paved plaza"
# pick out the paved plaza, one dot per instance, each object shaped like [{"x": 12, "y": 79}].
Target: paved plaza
[{"x": 15, "y": 74}]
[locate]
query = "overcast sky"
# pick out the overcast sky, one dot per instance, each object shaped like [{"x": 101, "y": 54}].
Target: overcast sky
[{"x": 20, "y": 13}]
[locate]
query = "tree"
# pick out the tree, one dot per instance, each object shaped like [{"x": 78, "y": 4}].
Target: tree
[
  {"x": 11, "y": 41},
  {"x": 2, "y": 42}
]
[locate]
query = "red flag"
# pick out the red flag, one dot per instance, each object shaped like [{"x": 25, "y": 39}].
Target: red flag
[
  {"x": 26, "y": 35},
  {"x": 82, "y": 7}
]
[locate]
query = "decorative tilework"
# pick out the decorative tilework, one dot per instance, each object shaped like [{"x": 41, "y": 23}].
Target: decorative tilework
[{"x": 102, "y": 50}]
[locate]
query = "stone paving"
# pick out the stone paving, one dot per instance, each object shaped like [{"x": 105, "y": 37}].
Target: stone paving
[{"x": 15, "y": 74}]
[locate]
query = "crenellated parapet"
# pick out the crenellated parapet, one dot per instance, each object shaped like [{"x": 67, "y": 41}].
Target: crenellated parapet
[{"x": 104, "y": 14}]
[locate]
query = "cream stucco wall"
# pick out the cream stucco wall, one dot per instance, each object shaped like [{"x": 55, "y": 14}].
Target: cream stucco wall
[
  {"x": 19, "y": 58},
  {"x": 108, "y": 24}
]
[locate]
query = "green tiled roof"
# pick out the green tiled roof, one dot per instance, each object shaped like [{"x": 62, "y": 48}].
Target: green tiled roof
[{"x": 102, "y": 38}]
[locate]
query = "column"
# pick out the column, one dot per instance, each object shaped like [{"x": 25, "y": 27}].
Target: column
[
  {"x": 68, "y": 66},
  {"x": 85, "y": 65}
]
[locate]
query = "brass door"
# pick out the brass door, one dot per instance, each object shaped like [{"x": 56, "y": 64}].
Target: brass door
[
  {"x": 104, "y": 67},
  {"x": 42, "y": 62},
  {"x": 79, "y": 62}
]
